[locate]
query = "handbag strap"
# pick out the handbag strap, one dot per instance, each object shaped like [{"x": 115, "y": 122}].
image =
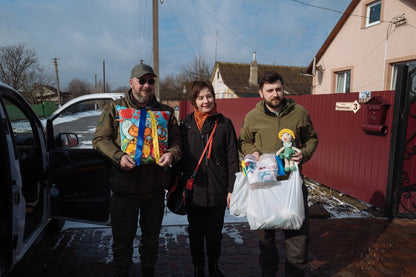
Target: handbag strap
[{"x": 208, "y": 145}]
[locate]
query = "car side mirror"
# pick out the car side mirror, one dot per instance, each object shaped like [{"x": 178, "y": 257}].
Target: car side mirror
[{"x": 67, "y": 140}]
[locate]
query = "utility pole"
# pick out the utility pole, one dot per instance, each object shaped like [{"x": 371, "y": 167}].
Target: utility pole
[
  {"x": 57, "y": 81},
  {"x": 95, "y": 84},
  {"x": 104, "y": 76},
  {"x": 156, "y": 45}
]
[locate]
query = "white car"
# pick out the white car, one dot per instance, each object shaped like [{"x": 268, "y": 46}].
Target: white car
[{"x": 48, "y": 170}]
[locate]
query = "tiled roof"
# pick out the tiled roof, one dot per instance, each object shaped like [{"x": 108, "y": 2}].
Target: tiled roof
[{"x": 236, "y": 75}]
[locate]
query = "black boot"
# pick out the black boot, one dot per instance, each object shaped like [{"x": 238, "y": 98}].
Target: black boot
[
  {"x": 148, "y": 271},
  {"x": 214, "y": 271},
  {"x": 199, "y": 272}
]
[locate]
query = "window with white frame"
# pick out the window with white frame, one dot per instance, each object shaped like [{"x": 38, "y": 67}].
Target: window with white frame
[
  {"x": 343, "y": 81},
  {"x": 373, "y": 13},
  {"x": 411, "y": 64}
]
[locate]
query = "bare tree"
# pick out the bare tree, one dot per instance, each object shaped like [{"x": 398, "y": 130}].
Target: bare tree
[
  {"x": 173, "y": 87},
  {"x": 198, "y": 69},
  {"x": 20, "y": 69},
  {"x": 78, "y": 87},
  {"x": 17, "y": 63},
  {"x": 35, "y": 86},
  {"x": 100, "y": 88}
]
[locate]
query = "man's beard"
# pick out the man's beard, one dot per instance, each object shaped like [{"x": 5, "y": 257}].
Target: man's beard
[
  {"x": 143, "y": 99},
  {"x": 271, "y": 104}
]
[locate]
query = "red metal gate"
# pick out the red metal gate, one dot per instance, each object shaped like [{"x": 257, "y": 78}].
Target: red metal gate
[{"x": 402, "y": 172}]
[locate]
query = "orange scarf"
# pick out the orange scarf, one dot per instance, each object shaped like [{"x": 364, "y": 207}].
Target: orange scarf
[{"x": 200, "y": 117}]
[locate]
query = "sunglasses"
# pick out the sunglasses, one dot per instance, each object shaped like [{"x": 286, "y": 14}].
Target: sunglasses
[{"x": 143, "y": 81}]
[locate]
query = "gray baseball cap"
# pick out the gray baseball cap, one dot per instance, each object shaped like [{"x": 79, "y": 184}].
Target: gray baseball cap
[{"x": 142, "y": 69}]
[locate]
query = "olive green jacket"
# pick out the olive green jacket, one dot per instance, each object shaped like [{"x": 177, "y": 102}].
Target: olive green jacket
[
  {"x": 145, "y": 180},
  {"x": 261, "y": 128}
]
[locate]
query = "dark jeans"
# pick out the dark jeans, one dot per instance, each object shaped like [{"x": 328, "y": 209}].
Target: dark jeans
[
  {"x": 297, "y": 242},
  {"x": 205, "y": 228},
  {"x": 124, "y": 213}
]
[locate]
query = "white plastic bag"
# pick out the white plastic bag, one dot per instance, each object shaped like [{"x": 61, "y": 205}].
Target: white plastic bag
[
  {"x": 277, "y": 205},
  {"x": 239, "y": 198},
  {"x": 261, "y": 172}
]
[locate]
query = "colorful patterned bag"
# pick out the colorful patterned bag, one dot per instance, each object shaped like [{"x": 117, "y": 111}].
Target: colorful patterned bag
[{"x": 144, "y": 134}]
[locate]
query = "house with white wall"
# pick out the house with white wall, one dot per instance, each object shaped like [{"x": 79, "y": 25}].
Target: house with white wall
[
  {"x": 365, "y": 47},
  {"x": 238, "y": 80}
]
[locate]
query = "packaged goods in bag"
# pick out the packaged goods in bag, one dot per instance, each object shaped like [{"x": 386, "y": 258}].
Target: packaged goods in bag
[
  {"x": 262, "y": 171},
  {"x": 279, "y": 204}
]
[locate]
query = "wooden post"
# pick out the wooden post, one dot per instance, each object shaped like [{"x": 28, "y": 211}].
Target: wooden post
[
  {"x": 57, "y": 81},
  {"x": 156, "y": 46}
]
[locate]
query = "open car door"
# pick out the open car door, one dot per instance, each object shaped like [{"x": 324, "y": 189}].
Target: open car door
[{"x": 79, "y": 176}]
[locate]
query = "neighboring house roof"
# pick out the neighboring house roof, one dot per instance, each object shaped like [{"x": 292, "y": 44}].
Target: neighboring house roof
[
  {"x": 236, "y": 77},
  {"x": 44, "y": 92},
  {"x": 333, "y": 33}
]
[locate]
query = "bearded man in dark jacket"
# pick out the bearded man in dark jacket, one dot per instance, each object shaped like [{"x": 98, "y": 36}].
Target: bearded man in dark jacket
[
  {"x": 259, "y": 135},
  {"x": 137, "y": 188}
]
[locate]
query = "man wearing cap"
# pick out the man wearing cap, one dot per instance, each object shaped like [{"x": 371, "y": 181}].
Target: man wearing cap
[{"x": 138, "y": 188}]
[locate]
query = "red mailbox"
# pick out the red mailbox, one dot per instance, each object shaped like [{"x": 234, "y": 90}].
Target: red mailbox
[{"x": 376, "y": 116}]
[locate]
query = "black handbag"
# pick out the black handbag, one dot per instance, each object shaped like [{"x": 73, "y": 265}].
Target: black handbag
[{"x": 179, "y": 197}]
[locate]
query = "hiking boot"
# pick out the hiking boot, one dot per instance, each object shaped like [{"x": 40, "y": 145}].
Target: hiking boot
[{"x": 214, "y": 271}]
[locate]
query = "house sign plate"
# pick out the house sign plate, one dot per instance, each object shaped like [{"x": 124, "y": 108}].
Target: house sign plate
[{"x": 348, "y": 106}]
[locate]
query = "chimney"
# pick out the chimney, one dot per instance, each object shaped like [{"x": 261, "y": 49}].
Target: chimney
[{"x": 254, "y": 74}]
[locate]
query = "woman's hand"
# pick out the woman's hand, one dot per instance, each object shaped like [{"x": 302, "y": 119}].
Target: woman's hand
[{"x": 229, "y": 199}]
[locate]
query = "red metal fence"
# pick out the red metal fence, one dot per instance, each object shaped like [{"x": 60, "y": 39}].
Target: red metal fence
[{"x": 347, "y": 159}]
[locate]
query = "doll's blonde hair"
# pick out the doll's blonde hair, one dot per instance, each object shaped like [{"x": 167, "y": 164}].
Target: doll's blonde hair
[{"x": 290, "y": 132}]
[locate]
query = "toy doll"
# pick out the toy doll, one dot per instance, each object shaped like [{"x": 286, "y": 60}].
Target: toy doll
[{"x": 285, "y": 153}]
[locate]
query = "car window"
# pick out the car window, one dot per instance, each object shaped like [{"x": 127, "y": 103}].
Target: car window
[
  {"x": 21, "y": 127},
  {"x": 29, "y": 153},
  {"x": 80, "y": 119}
]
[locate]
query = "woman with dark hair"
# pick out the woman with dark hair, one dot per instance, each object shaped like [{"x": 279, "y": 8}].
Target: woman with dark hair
[{"x": 215, "y": 177}]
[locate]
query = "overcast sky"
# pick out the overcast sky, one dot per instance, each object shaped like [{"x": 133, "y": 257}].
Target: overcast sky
[{"x": 83, "y": 33}]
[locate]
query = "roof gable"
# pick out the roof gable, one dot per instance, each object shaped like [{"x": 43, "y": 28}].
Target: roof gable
[{"x": 236, "y": 77}]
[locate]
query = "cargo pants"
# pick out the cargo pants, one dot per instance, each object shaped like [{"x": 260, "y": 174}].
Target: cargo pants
[{"x": 124, "y": 213}]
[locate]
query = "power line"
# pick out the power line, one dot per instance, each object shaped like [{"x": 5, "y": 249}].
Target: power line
[
  {"x": 411, "y": 25},
  {"x": 143, "y": 31},
  {"x": 236, "y": 35},
  {"x": 340, "y": 12},
  {"x": 6, "y": 35},
  {"x": 318, "y": 7},
  {"x": 181, "y": 29}
]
